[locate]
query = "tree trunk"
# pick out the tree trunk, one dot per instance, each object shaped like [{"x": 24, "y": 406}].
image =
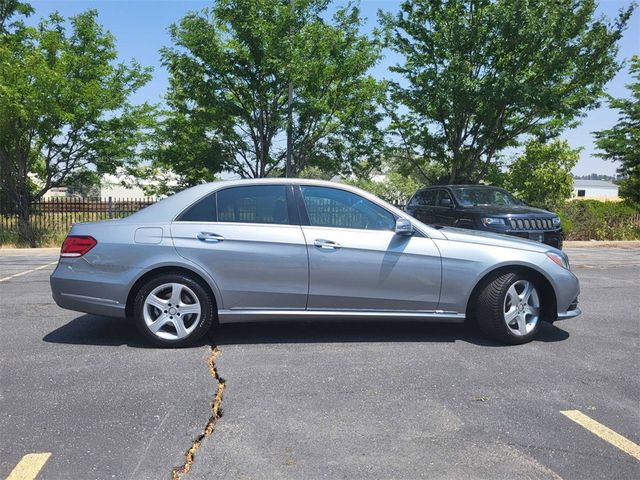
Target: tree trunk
[{"x": 26, "y": 233}]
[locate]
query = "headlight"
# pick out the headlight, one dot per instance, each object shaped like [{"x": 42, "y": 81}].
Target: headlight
[
  {"x": 556, "y": 221},
  {"x": 561, "y": 260},
  {"x": 493, "y": 221}
]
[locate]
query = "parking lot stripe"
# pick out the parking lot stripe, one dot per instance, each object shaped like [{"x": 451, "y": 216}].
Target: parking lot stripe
[
  {"x": 4, "y": 279},
  {"x": 29, "y": 466},
  {"x": 604, "y": 433}
]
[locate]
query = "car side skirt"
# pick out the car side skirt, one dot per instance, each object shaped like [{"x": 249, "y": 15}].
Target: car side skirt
[{"x": 238, "y": 316}]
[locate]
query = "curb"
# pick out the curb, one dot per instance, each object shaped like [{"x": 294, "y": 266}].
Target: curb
[
  {"x": 6, "y": 252},
  {"x": 601, "y": 243}
]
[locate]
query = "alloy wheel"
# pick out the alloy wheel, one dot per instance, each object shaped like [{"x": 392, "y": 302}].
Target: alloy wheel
[
  {"x": 521, "y": 307},
  {"x": 171, "y": 311}
]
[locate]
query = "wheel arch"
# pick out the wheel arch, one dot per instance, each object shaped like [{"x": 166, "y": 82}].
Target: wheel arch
[
  {"x": 181, "y": 269},
  {"x": 548, "y": 294}
]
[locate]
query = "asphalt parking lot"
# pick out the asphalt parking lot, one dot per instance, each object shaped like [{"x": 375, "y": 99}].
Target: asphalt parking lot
[{"x": 355, "y": 401}]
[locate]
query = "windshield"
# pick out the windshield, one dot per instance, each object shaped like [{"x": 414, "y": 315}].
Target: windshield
[{"x": 472, "y": 196}]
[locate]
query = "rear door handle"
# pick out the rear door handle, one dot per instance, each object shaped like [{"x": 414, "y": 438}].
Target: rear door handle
[
  {"x": 210, "y": 237},
  {"x": 326, "y": 244}
]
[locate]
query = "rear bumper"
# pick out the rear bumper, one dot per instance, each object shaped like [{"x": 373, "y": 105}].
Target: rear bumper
[
  {"x": 74, "y": 287},
  {"x": 82, "y": 303}
]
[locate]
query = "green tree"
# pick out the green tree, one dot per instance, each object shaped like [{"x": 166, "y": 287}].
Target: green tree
[
  {"x": 622, "y": 142},
  {"x": 10, "y": 8},
  {"x": 85, "y": 183},
  {"x": 394, "y": 187},
  {"x": 63, "y": 104},
  {"x": 229, "y": 73},
  {"x": 480, "y": 74},
  {"x": 541, "y": 176}
]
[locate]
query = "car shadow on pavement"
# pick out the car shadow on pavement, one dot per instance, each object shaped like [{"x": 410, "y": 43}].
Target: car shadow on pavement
[
  {"x": 362, "y": 331},
  {"x": 104, "y": 331},
  {"x": 101, "y": 331}
]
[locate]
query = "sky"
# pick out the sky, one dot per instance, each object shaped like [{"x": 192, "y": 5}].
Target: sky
[{"x": 140, "y": 29}]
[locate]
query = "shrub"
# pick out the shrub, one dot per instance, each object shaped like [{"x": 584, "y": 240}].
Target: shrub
[{"x": 597, "y": 220}]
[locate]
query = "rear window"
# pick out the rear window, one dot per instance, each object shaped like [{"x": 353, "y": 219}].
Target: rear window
[{"x": 259, "y": 204}]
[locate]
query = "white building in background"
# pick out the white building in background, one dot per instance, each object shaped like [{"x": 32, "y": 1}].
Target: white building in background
[
  {"x": 112, "y": 186},
  {"x": 120, "y": 186},
  {"x": 55, "y": 192},
  {"x": 595, "y": 190}
]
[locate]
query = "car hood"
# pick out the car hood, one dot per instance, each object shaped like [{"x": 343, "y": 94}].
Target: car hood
[
  {"x": 493, "y": 239},
  {"x": 507, "y": 210}
]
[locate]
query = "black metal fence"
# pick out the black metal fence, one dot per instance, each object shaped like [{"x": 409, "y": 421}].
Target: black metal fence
[{"x": 61, "y": 213}]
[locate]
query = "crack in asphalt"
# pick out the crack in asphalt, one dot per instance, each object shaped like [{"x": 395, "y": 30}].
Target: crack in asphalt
[{"x": 216, "y": 413}]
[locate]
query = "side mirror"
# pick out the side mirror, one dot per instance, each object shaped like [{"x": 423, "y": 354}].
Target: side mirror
[
  {"x": 445, "y": 202},
  {"x": 404, "y": 227}
]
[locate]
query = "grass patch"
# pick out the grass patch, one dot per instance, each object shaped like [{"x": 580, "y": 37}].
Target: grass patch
[{"x": 46, "y": 237}]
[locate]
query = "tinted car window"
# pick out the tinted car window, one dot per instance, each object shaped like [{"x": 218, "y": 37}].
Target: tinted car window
[
  {"x": 332, "y": 207},
  {"x": 470, "y": 196},
  {"x": 424, "y": 198},
  {"x": 444, "y": 194},
  {"x": 416, "y": 199},
  {"x": 202, "y": 211},
  {"x": 430, "y": 197},
  {"x": 259, "y": 204}
]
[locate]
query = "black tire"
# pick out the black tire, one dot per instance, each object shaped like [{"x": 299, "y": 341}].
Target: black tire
[
  {"x": 489, "y": 309},
  {"x": 193, "y": 287}
]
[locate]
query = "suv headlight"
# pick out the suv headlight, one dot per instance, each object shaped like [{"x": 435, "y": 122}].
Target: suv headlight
[
  {"x": 492, "y": 221},
  {"x": 556, "y": 221},
  {"x": 561, "y": 260}
]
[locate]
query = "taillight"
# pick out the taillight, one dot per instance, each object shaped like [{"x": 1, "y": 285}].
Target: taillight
[{"x": 77, "y": 245}]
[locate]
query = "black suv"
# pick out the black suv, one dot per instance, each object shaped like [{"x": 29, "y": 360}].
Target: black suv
[{"x": 482, "y": 207}]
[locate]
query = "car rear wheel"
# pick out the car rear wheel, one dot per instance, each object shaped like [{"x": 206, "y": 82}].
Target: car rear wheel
[
  {"x": 173, "y": 310},
  {"x": 508, "y": 308}
]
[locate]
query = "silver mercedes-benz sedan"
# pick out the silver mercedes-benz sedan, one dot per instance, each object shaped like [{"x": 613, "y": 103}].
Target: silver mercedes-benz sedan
[{"x": 291, "y": 249}]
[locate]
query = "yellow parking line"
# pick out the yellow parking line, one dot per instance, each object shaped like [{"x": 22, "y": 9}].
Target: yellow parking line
[
  {"x": 4, "y": 279},
  {"x": 604, "y": 433},
  {"x": 29, "y": 466}
]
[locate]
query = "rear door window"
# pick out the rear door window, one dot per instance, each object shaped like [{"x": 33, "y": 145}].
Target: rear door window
[
  {"x": 253, "y": 204},
  {"x": 429, "y": 198},
  {"x": 425, "y": 198}
]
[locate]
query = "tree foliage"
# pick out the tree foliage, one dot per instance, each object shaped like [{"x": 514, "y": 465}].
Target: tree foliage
[
  {"x": 63, "y": 103},
  {"x": 541, "y": 176},
  {"x": 11, "y": 8},
  {"x": 230, "y": 68},
  {"x": 394, "y": 187},
  {"x": 622, "y": 142},
  {"x": 480, "y": 74}
]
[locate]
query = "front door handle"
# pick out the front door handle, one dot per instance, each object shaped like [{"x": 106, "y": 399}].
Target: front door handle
[
  {"x": 210, "y": 237},
  {"x": 326, "y": 244}
]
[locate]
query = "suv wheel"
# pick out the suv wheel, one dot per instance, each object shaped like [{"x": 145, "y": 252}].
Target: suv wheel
[
  {"x": 173, "y": 310},
  {"x": 508, "y": 309}
]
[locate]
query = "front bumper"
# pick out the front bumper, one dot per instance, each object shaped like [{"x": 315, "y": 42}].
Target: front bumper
[
  {"x": 572, "y": 311},
  {"x": 569, "y": 314},
  {"x": 552, "y": 238}
]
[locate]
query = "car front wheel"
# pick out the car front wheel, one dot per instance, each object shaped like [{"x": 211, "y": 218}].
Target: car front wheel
[
  {"x": 173, "y": 310},
  {"x": 508, "y": 308}
]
